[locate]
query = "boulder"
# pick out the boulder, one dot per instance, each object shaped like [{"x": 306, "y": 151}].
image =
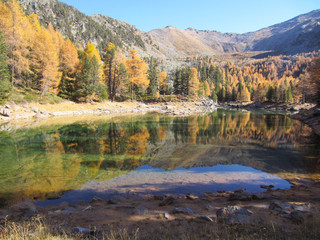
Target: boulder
[
  {"x": 316, "y": 112},
  {"x": 139, "y": 211},
  {"x": 116, "y": 199},
  {"x": 35, "y": 110},
  {"x": 5, "y": 112},
  {"x": 234, "y": 215},
  {"x": 279, "y": 207},
  {"x": 167, "y": 201},
  {"x": 96, "y": 199},
  {"x": 84, "y": 231},
  {"x": 240, "y": 196},
  {"x": 206, "y": 218},
  {"x": 261, "y": 196},
  {"x": 68, "y": 211},
  {"x": 27, "y": 207},
  {"x": 182, "y": 210},
  {"x": 299, "y": 216}
]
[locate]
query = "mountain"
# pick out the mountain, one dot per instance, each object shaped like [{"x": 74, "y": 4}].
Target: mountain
[
  {"x": 300, "y": 34},
  {"x": 82, "y": 29}
]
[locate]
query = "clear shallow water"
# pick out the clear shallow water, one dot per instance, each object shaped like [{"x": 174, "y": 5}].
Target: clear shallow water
[
  {"x": 223, "y": 150},
  {"x": 156, "y": 181}
]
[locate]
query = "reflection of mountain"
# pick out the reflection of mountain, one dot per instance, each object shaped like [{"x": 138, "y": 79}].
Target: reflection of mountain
[{"x": 47, "y": 162}]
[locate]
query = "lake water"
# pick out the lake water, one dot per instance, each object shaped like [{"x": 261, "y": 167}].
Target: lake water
[{"x": 154, "y": 154}]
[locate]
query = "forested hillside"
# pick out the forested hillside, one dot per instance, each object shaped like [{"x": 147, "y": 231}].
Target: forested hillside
[
  {"x": 38, "y": 61},
  {"x": 80, "y": 28}
]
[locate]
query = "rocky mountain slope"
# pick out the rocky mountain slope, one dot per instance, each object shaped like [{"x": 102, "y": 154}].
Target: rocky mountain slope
[
  {"x": 300, "y": 34},
  {"x": 82, "y": 29}
]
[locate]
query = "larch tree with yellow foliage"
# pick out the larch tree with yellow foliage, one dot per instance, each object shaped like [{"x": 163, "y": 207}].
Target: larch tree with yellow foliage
[
  {"x": 69, "y": 62},
  {"x": 17, "y": 31},
  {"x": 194, "y": 83},
  {"x": 46, "y": 62},
  {"x": 137, "y": 71},
  {"x": 163, "y": 83}
]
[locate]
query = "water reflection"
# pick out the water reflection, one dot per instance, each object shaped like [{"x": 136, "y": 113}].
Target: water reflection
[
  {"x": 50, "y": 161},
  {"x": 197, "y": 181}
]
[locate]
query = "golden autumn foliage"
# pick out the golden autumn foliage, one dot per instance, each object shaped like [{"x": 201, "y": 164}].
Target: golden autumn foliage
[
  {"x": 92, "y": 52},
  {"x": 68, "y": 56},
  {"x": 46, "y": 61},
  {"x": 163, "y": 82},
  {"x": 194, "y": 83},
  {"x": 137, "y": 71},
  {"x": 17, "y": 31}
]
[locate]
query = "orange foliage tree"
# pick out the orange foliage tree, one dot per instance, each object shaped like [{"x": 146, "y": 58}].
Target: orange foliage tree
[
  {"x": 193, "y": 83},
  {"x": 137, "y": 71}
]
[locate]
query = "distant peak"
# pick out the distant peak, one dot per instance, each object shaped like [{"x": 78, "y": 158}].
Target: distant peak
[{"x": 170, "y": 27}]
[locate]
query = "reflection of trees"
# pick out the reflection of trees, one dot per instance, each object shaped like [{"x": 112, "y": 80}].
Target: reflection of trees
[
  {"x": 223, "y": 127},
  {"x": 56, "y": 159}
]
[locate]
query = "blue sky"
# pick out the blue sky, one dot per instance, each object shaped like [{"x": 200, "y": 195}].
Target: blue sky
[{"x": 237, "y": 16}]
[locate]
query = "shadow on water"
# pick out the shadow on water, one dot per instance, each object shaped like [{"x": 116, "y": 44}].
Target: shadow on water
[
  {"x": 156, "y": 181},
  {"x": 46, "y": 162}
]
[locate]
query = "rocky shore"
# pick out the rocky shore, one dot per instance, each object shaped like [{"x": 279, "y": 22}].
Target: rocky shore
[
  {"x": 273, "y": 214},
  {"x": 31, "y": 111},
  {"x": 284, "y": 213}
]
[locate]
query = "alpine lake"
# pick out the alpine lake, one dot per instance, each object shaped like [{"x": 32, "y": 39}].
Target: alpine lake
[{"x": 154, "y": 154}]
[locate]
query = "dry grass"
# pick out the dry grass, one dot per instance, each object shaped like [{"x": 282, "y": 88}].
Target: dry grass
[{"x": 38, "y": 228}]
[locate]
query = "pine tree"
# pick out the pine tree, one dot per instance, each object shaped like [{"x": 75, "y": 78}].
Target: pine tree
[
  {"x": 5, "y": 86},
  {"x": 85, "y": 81},
  {"x": 92, "y": 52},
  {"x": 153, "y": 76},
  {"x": 115, "y": 73}
]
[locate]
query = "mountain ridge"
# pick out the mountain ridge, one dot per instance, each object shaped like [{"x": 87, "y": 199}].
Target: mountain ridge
[
  {"x": 293, "y": 36},
  {"x": 296, "y": 35}
]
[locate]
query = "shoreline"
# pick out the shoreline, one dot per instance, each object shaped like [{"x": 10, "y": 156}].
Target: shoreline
[
  {"x": 29, "y": 112},
  {"x": 36, "y": 111},
  {"x": 222, "y": 214},
  {"x": 289, "y": 210}
]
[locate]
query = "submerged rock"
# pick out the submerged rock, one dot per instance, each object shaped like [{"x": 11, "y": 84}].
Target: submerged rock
[{"x": 116, "y": 199}]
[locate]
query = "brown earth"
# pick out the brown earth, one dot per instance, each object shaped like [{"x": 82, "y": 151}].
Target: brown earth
[{"x": 275, "y": 214}]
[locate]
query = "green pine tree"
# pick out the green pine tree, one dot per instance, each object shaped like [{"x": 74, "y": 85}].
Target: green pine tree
[
  {"x": 5, "y": 85},
  {"x": 153, "y": 74},
  {"x": 87, "y": 81}
]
